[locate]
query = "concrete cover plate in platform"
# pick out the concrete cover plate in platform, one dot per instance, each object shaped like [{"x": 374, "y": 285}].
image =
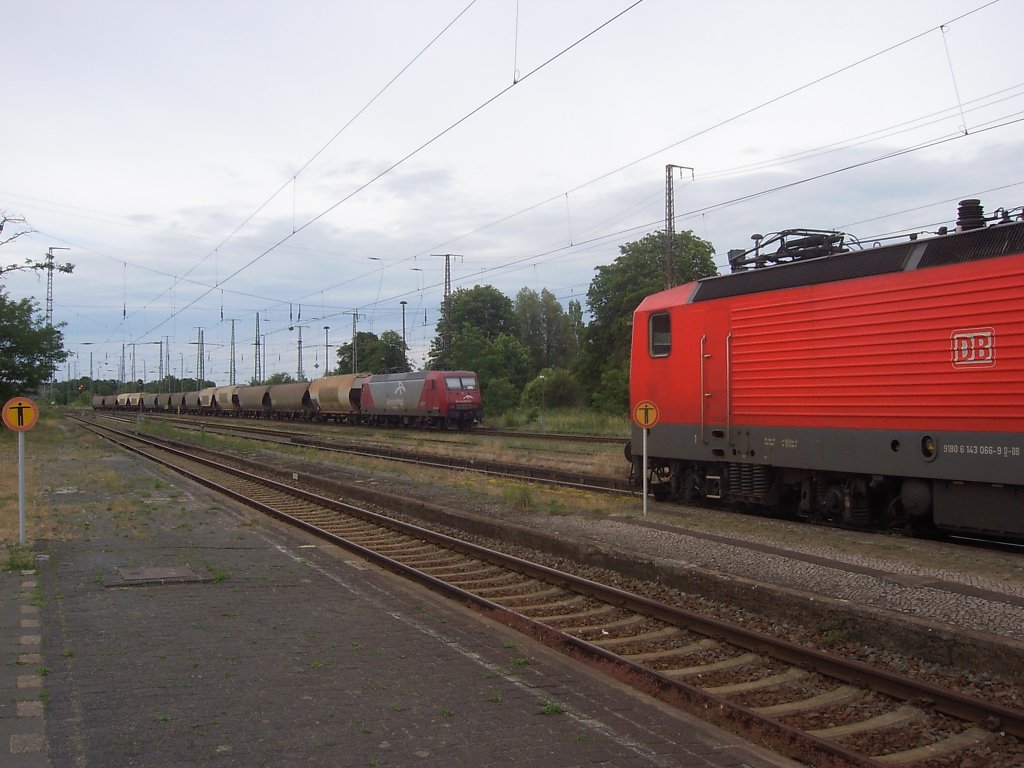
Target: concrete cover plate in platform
[{"x": 157, "y": 574}]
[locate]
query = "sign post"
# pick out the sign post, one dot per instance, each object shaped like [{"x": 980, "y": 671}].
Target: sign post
[
  {"x": 20, "y": 414},
  {"x": 645, "y": 414}
]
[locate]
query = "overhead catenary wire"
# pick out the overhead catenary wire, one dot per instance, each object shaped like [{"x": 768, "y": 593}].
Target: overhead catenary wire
[
  {"x": 294, "y": 178},
  {"x": 720, "y": 124},
  {"x": 410, "y": 155},
  {"x": 817, "y": 80},
  {"x": 325, "y": 309}
]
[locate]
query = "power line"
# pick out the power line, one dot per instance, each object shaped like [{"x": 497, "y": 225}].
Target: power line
[
  {"x": 715, "y": 126},
  {"x": 402, "y": 160},
  {"x": 322, "y": 149}
]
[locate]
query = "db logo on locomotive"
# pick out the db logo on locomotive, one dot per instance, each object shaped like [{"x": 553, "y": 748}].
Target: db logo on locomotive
[{"x": 973, "y": 347}]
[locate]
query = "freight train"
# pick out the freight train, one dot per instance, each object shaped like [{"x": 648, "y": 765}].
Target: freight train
[
  {"x": 440, "y": 399},
  {"x": 866, "y": 387}
]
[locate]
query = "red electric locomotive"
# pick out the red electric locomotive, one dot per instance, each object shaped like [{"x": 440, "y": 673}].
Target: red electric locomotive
[
  {"x": 870, "y": 387},
  {"x": 448, "y": 399}
]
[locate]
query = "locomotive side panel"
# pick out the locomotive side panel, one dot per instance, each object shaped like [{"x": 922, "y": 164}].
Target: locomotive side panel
[
  {"x": 849, "y": 377},
  {"x": 397, "y": 396},
  {"x": 939, "y": 348}
]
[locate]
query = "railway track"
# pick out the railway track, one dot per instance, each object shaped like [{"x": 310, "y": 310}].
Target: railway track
[
  {"x": 532, "y": 473},
  {"x": 561, "y": 436},
  {"x": 809, "y": 705},
  {"x": 516, "y": 471}
]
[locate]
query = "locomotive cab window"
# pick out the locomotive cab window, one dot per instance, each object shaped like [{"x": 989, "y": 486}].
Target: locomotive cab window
[
  {"x": 659, "y": 330},
  {"x": 466, "y": 382}
]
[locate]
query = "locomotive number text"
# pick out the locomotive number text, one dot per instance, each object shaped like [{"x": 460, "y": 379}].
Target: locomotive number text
[{"x": 967, "y": 449}]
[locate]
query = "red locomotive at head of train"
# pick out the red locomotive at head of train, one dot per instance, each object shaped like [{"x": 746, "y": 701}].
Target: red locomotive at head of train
[
  {"x": 436, "y": 398},
  {"x": 872, "y": 387}
]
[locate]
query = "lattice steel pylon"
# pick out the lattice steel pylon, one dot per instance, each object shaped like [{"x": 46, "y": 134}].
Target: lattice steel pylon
[
  {"x": 49, "y": 267},
  {"x": 446, "y": 313},
  {"x": 231, "y": 364},
  {"x": 670, "y": 222},
  {"x": 258, "y": 371}
]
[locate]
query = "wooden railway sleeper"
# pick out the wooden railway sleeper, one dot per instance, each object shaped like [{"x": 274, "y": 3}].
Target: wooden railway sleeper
[
  {"x": 791, "y": 675},
  {"x": 902, "y": 715},
  {"x": 470, "y": 585},
  {"x": 953, "y": 743},
  {"x": 520, "y": 600},
  {"x": 460, "y": 570},
  {"x": 428, "y": 554},
  {"x": 733, "y": 662},
  {"x": 600, "y": 610},
  {"x": 843, "y": 694},
  {"x": 556, "y": 607},
  {"x": 606, "y": 626},
  {"x": 704, "y": 644}
]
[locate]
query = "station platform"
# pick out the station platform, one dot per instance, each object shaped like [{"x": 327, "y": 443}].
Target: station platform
[{"x": 173, "y": 628}]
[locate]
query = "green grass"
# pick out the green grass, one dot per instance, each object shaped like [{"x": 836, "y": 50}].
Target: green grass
[
  {"x": 19, "y": 558},
  {"x": 519, "y": 496},
  {"x": 218, "y": 573},
  {"x": 833, "y": 632},
  {"x": 574, "y": 421},
  {"x": 551, "y": 708}
]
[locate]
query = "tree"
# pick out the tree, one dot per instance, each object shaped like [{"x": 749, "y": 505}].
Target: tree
[
  {"x": 482, "y": 307},
  {"x": 545, "y": 329},
  {"x": 500, "y": 396},
  {"x": 391, "y": 354},
  {"x": 384, "y": 354},
  {"x": 504, "y": 358},
  {"x": 13, "y": 227},
  {"x": 29, "y": 349},
  {"x": 280, "y": 378},
  {"x": 576, "y": 325},
  {"x": 619, "y": 288},
  {"x": 553, "y": 388}
]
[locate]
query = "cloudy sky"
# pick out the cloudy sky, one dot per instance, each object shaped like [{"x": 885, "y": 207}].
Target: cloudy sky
[{"x": 208, "y": 161}]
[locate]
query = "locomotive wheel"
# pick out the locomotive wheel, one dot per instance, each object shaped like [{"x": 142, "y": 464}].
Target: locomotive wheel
[
  {"x": 687, "y": 485},
  {"x": 692, "y": 486}
]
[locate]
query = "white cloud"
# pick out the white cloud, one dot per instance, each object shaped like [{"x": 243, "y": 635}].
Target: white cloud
[{"x": 143, "y": 135}]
